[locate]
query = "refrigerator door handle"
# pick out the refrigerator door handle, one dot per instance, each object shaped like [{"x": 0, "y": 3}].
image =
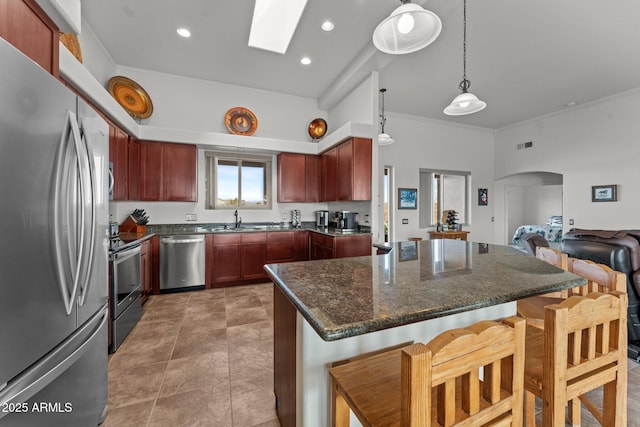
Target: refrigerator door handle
[
  {"x": 41, "y": 374},
  {"x": 87, "y": 261},
  {"x": 60, "y": 208}
]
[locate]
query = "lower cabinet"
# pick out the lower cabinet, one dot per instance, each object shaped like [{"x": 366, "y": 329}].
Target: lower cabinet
[
  {"x": 323, "y": 246},
  {"x": 235, "y": 258},
  {"x": 239, "y": 258}
]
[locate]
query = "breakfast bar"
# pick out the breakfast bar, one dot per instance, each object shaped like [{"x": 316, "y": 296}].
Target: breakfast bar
[{"x": 329, "y": 311}]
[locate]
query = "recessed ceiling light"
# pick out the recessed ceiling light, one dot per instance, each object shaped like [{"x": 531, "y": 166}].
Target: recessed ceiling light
[
  {"x": 183, "y": 32},
  {"x": 327, "y": 26},
  {"x": 305, "y": 61}
]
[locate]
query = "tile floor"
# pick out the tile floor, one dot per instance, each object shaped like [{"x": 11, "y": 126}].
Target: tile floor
[
  {"x": 206, "y": 359},
  {"x": 200, "y": 358}
]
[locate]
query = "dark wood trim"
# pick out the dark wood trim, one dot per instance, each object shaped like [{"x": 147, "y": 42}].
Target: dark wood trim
[{"x": 284, "y": 358}]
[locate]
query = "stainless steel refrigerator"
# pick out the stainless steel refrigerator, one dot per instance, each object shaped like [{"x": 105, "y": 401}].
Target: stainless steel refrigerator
[{"x": 54, "y": 154}]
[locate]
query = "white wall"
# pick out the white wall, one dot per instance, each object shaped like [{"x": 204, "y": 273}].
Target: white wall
[
  {"x": 541, "y": 202},
  {"x": 95, "y": 57},
  {"x": 428, "y": 144},
  {"x": 592, "y": 144}
]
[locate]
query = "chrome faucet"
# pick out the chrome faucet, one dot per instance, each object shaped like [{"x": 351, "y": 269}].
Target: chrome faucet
[{"x": 238, "y": 219}]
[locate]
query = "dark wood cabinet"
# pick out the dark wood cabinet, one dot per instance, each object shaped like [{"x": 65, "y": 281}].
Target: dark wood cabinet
[
  {"x": 327, "y": 247},
  {"x": 301, "y": 245},
  {"x": 329, "y": 174},
  {"x": 145, "y": 269},
  {"x": 253, "y": 256},
  {"x": 179, "y": 172},
  {"x": 281, "y": 247},
  {"x": 225, "y": 256},
  {"x": 119, "y": 159},
  {"x": 150, "y": 173},
  {"x": 298, "y": 178},
  {"x": 134, "y": 169},
  {"x": 166, "y": 171},
  {"x": 26, "y": 26},
  {"x": 354, "y": 170}
]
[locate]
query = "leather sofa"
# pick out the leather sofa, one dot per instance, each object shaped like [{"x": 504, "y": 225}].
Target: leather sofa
[{"x": 620, "y": 250}]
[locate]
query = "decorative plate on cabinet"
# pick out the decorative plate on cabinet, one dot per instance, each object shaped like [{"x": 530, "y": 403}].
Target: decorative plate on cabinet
[
  {"x": 131, "y": 96},
  {"x": 317, "y": 128},
  {"x": 240, "y": 121}
]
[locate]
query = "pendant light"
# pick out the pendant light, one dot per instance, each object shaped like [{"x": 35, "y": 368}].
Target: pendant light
[
  {"x": 383, "y": 138},
  {"x": 409, "y": 28},
  {"x": 466, "y": 102}
]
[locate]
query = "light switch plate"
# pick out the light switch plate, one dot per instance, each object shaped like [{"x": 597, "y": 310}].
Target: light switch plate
[
  {"x": 191, "y": 217},
  {"x": 405, "y": 220}
]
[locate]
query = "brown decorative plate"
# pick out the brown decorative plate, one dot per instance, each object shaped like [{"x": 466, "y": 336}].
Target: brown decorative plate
[
  {"x": 317, "y": 128},
  {"x": 240, "y": 121},
  {"x": 131, "y": 96}
]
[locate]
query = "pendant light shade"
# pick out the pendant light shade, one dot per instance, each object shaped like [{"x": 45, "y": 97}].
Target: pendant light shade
[
  {"x": 383, "y": 138},
  {"x": 466, "y": 102},
  {"x": 408, "y": 29}
]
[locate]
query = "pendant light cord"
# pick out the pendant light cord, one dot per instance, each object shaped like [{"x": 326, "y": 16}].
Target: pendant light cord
[
  {"x": 383, "y": 119},
  {"x": 464, "y": 84}
]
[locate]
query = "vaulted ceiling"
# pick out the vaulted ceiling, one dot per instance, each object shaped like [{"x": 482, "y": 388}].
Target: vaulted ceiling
[{"x": 525, "y": 58}]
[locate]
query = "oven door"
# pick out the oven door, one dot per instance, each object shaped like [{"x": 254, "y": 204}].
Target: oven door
[{"x": 126, "y": 279}]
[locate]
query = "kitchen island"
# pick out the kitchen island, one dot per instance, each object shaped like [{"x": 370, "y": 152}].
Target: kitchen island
[{"x": 328, "y": 311}]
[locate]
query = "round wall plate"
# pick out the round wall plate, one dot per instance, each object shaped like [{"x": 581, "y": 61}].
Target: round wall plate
[
  {"x": 240, "y": 121},
  {"x": 131, "y": 96}
]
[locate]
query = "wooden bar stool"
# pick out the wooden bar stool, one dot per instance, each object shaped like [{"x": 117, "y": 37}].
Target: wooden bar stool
[
  {"x": 600, "y": 278},
  {"x": 583, "y": 346},
  {"x": 419, "y": 385}
]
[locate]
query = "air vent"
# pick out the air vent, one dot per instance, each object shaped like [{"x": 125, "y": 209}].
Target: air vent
[{"x": 525, "y": 145}]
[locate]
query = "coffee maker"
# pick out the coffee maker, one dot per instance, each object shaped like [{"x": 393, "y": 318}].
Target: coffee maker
[
  {"x": 322, "y": 219},
  {"x": 345, "y": 221}
]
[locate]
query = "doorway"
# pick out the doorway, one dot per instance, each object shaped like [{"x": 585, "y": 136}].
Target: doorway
[{"x": 388, "y": 203}]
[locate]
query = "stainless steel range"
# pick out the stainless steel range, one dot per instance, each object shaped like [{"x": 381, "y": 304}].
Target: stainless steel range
[{"x": 125, "y": 286}]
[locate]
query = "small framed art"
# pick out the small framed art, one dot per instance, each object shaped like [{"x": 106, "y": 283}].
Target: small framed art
[
  {"x": 483, "y": 197},
  {"x": 407, "y": 198},
  {"x": 604, "y": 193}
]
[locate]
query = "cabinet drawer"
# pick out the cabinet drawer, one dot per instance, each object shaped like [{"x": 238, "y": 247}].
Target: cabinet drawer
[
  {"x": 280, "y": 236},
  {"x": 253, "y": 237},
  {"x": 322, "y": 240},
  {"x": 227, "y": 239}
]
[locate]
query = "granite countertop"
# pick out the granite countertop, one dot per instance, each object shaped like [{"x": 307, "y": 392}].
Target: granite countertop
[
  {"x": 416, "y": 281},
  {"x": 168, "y": 229}
]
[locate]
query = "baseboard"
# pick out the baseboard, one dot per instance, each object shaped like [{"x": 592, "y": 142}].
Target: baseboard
[{"x": 634, "y": 352}]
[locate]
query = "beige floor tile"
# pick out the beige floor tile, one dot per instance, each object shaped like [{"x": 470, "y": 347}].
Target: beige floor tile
[
  {"x": 208, "y": 372},
  {"x": 253, "y": 402},
  {"x": 135, "y": 415},
  {"x": 193, "y": 344},
  {"x": 135, "y": 384},
  {"x": 142, "y": 352},
  {"x": 195, "y": 408},
  {"x": 244, "y": 316}
]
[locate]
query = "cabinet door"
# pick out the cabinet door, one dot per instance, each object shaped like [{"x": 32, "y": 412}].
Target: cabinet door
[
  {"x": 345, "y": 171},
  {"x": 134, "y": 169},
  {"x": 226, "y": 264},
  {"x": 329, "y": 168},
  {"x": 312, "y": 178},
  {"x": 291, "y": 177},
  {"x": 361, "y": 165},
  {"x": 280, "y": 246},
  {"x": 301, "y": 245},
  {"x": 253, "y": 259},
  {"x": 150, "y": 170},
  {"x": 179, "y": 172},
  {"x": 119, "y": 158},
  {"x": 353, "y": 246},
  {"x": 26, "y": 26}
]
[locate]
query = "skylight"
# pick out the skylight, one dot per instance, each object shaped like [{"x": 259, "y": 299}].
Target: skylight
[{"x": 274, "y": 22}]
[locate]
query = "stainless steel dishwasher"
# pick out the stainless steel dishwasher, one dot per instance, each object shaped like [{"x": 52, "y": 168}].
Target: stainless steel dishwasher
[{"x": 182, "y": 263}]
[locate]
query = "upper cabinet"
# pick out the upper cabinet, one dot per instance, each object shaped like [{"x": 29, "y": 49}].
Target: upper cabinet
[
  {"x": 26, "y": 26},
  {"x": 342, "y": 173},
  {"x": 166, "y": 171},
  {"x": 119, "y": 159},
  {"x": 347, "y": 171},
  {"x": 298, "y": 178}
]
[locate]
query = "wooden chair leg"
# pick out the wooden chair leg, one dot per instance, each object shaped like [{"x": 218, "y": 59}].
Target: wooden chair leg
[
  {"x": 341, "y": 416},
  {"x": 574, "y": 412},
  {"x": 530, "y": 409}
]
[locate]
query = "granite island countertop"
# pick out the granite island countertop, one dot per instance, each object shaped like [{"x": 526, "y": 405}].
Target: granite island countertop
[{"x": 415, "y": 281}]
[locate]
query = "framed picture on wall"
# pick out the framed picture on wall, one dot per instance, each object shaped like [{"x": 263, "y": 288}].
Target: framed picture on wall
[
  {"x": 604, "y": 193},
  {"x": 483, "y": 197},
  {"x": 407, "y": 198}
]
